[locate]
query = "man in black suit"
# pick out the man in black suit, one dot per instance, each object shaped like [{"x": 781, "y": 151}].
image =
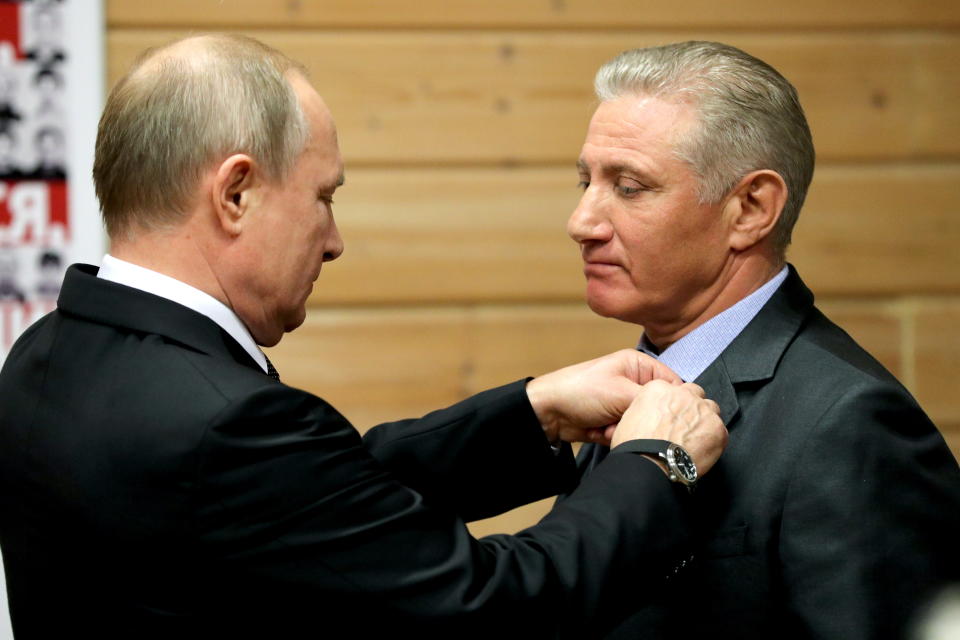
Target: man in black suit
[
  {"x": 835, "y": 512},
  {"x": 157, "y": 480}
]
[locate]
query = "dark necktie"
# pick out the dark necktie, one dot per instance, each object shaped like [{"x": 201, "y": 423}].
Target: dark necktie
[{"x": 271, "y": 371}]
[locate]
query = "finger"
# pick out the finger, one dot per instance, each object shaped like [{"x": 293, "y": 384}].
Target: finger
[
  {"x": 695, "y": 389},
  {"x": 713, "y": 406},
  {"x": 599, "y": 436},
  {"x": 652, "y": 369},
  {"x": 609, "y": 431}
]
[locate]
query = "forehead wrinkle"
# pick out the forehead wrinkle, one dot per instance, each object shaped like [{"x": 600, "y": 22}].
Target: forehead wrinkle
[
  {"x": 616, "y": 159},
  {"x": 625, "y": 130}
]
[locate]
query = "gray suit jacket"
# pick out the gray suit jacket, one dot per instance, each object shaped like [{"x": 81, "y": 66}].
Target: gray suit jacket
[{"x": 834, "y": 512}]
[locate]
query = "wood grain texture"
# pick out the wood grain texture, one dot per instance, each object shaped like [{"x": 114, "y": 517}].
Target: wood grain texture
[
  {"x": 614, "y": 14},
  {"x": 951, "y": 432},
  {"x": 443, "y": 235},
  {"x": 876, "y": 326},
  {"x": 937, "y": 345},
  {"x": 881, "y": 230},
  {"x": 491, "y": 97},
  {"x": 375, "y": 365}
]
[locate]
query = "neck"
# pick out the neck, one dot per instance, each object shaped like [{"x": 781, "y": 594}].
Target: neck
[
  {"x": 740, "y": 277},
  {"x": 177, "y": 253}
]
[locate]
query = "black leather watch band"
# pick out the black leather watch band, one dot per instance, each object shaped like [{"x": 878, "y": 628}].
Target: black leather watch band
[{"x": 680, "y": 466}]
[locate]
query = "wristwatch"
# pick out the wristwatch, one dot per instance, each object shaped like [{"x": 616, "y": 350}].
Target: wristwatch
[{"x": 680, "y": 465}]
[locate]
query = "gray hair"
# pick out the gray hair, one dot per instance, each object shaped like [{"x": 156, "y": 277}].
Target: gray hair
[
  {"x": 749, "y": 117},
  {"x": 183, "y": 107}
]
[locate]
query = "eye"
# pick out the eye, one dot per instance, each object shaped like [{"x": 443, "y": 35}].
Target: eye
[
  {"x": 583, "y": 184},
  {"x": 630, "y": 186}
]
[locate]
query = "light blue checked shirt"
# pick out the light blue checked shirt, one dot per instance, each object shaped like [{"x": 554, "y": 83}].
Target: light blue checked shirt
[{"x": 692, "y": 354}]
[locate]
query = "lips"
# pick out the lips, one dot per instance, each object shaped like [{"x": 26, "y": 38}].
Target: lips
[{"x": 596, "y": 268}]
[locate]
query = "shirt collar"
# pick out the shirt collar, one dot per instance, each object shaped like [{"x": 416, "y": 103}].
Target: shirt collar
[
  {"x": 692, "y": 354},
  {"x": 137, "y": 277}
]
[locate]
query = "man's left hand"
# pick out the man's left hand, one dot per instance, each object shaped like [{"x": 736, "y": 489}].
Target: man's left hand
[{"x": 583, "y": 402}]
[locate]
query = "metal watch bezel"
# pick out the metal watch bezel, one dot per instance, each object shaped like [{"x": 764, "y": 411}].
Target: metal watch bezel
[{"x": 678, "y": 468}]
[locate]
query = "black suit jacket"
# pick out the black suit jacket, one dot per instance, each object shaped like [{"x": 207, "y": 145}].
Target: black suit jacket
[
  {"x": 834, "y": 513},
  {"x": 155, "y": 483}
]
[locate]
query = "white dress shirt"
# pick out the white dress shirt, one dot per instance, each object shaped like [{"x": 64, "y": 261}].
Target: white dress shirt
[{"x": 137, "y": 277}]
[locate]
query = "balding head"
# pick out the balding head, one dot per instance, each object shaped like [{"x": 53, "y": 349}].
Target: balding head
[{"x": 182, "y": 108}]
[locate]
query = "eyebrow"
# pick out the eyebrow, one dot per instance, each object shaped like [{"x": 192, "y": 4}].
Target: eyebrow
[{"x": 616, "y": 168}]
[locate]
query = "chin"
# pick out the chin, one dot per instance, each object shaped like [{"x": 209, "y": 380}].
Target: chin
[
  {"x": 296, "y": 319},
  {"x": 615, "y": 307}
]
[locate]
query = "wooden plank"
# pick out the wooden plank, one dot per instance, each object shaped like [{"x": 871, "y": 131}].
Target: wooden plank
[
  {"x": 951, "y": 432},
  {"x": 512, "y": 342},
  {"x": 877, "y": 326},
  {"x": 489, "y": 234},
  {"x": 615, "y": 14},
  {"x": 446, "y": 235},
  {"x": 881, "y": 230},
  {"x": 938, "y": 361},
  {"x": 513, "y": 97},
  {"x": 375, "y": 366}
]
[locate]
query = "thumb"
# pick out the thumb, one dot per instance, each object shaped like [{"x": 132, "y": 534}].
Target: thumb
[{"x": 649, "y": 368}]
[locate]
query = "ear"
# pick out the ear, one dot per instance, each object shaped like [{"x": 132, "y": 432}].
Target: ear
[
  {"x": 231, "y": 192},
  {"x": 754, "y": 207}
]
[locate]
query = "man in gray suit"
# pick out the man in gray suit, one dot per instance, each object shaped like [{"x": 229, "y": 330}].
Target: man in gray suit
[{"x": 836, "y": 510}]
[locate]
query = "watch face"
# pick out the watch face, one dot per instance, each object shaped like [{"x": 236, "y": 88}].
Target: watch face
[{"x": 683, "y": 463}]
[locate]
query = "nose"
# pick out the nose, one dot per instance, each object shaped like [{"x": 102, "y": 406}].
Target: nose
[
  {"x": 333, "y": 243},
  {"x": 588, "y": 223}
]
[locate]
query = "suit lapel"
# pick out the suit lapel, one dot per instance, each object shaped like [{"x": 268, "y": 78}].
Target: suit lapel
[
  {"x": 716, "y": 383},
  {"x": 754, "y": 355},
  {"x": 86, "y": 296}
]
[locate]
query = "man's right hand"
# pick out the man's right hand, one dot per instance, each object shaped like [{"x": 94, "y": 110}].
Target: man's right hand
[{"x": 679, "y": 414}]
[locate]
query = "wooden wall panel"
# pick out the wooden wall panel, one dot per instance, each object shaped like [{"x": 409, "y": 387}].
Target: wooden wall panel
[
  {"x": 950, "y": 431},
  {"x": 877, "y": 326},
  {"x": 937, "y": 344},
  {"x": 375, "y": 366},
  {"x": 424, "y": 235},
  {"x": 881, "y": 230},
  {"x": 493, "y": 97},
  {"x": 576, "y": 14},
  {"x": 442, "y": 235},
  {"x": 938, "y": 360},
  {"x": 510, "y": 342}
]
